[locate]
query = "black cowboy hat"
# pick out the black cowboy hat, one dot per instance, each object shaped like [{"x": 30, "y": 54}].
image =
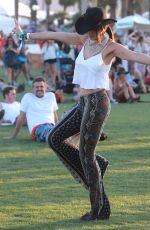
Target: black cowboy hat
[{"x": 93, "y": 18}]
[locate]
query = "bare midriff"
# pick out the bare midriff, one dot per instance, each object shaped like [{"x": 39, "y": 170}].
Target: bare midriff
[{"x": 85, "y": 92}]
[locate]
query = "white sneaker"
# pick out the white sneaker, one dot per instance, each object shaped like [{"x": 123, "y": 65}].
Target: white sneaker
[{"x": 113, "y": 101}]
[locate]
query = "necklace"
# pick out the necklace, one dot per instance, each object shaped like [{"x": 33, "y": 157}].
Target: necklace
[{"x": 94, "y": 47}]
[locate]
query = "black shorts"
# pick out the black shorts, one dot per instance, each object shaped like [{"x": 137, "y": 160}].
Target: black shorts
[
  {"x": 50, "y": 61},
  {"x": 15, "y": 66}
]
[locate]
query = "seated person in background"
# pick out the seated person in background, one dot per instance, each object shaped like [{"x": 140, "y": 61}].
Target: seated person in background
[
  {"x": 10, "y": 108},
  {"x": 147, "y": 78},
  {"x": 110, "y": 92},
  {"x": 39, "y": 108},
  {"x": 76, "y": 93},
  {"x": 123, "y": 90}
]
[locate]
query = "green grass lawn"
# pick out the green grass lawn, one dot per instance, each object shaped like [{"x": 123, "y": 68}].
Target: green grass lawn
[{"x": 38, "y": 193}]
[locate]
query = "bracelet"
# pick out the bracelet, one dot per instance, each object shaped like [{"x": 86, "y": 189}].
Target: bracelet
[
  {"x": 27, "y": 36},
  {"x": 23, "y": 36}
]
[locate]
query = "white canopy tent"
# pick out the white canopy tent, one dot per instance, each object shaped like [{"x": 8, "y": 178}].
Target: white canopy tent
[
  {"x": 3, "y": 11},
  {"x": 6, "y": 24},
  {"x": 136, "y": 22},
  {"x": 9, "y": 7},
  {"x": 146, "y": 14},
  {"x": 7, "y": 16}
]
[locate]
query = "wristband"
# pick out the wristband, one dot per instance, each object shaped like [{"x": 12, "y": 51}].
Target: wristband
[
  {"x": 27, "y": 36},
  {"x": 23, "y": 36},
  {"x": 20, "y": 35}
]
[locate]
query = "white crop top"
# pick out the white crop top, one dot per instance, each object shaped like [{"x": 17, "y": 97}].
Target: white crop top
[{"x": 91, "y": 73}]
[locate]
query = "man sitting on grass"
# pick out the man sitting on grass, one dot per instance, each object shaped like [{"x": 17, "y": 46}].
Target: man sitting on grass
[
  {"x": 10, "y": 108},
  {"x": 39, "y": 108}
]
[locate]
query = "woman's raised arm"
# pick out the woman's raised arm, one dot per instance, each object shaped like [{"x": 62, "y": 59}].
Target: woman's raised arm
[
  {"x": 126, "y": 54},
  {"x": 70, "y": 38}
]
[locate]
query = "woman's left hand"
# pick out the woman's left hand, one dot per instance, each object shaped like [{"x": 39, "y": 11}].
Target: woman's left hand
[{"x": 17, "y": 29}]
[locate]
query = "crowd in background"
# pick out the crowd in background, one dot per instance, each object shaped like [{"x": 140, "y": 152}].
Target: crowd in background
[{"x": 126, "y": 78}]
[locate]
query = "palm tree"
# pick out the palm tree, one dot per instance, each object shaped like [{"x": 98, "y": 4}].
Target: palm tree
[
  {"x": 16, "y": 9},
  {"x": 135, "y": 6},
  {"x": 103, "y": 3},
  {"x": 94, "y": 2},
  {"x": 83, "y": 5},
  {"x": 66, "y": 3},
  {"x": 124, "y": 8},
  {"x": 113, "y": 5},
  {"x": 140, "y": 6},
  {"x": 33, "y": 11},
  {"x": 48, "y": 2}
]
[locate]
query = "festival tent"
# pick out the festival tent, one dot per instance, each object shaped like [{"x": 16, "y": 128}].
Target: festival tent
[
  {"x": 136, "y": 22},
  {"x": 6, "y": 24},
  {"x": 146, "y": 14},
  {"x": 7, "y": 16}
]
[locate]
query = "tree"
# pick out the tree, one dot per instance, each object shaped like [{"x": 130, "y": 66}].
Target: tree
[
  {"x": 94, "y": 2},
  {"x": 124, "y": 8},
  {"x": 136, "y": 6},
  {"x": 33, "y": 3},
  {"x": 102, "y": 3},
  {"x": 33, "y": 7},
  {"x": 16, "y": 9},
  {"x": 66, "y": 3},
  {"x": 139, "y": 6},
  {"x": 113, "y": 5},
  {"x": 48, "y": 2}
]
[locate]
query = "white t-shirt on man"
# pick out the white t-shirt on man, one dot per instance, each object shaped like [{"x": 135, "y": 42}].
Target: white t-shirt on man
[
  {"x": 39, "y": 110},
  {"x": 12, "y": 110}
]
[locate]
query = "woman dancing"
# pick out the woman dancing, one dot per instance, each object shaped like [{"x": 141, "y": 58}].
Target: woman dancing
[{"x": 88, "y": 117}]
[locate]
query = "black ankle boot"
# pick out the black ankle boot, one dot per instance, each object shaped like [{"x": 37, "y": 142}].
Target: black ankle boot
[
  {"x": 104, "y": 214},
  {"x": 89, "y": 216},
  {"x": 103, "y": 164}
]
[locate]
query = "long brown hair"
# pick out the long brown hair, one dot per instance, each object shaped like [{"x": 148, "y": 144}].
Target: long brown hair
[
  {"x": 110, "y": 33},
  {"x": 100, "y": 30}
]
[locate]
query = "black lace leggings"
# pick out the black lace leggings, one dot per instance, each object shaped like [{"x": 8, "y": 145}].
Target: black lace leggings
[{"x": 88, "y": 118}]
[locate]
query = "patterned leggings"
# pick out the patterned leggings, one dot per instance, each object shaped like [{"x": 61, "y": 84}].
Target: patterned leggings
[{"x": 88, "y": 118}]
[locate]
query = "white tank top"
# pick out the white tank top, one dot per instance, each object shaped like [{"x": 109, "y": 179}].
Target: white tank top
[{"x": 91, "y": 73}]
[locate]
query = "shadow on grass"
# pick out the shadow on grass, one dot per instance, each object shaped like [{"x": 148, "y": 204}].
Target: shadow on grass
[
  {"x": 70, "y": 224},
  {"x": 118, "y": 221}
]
